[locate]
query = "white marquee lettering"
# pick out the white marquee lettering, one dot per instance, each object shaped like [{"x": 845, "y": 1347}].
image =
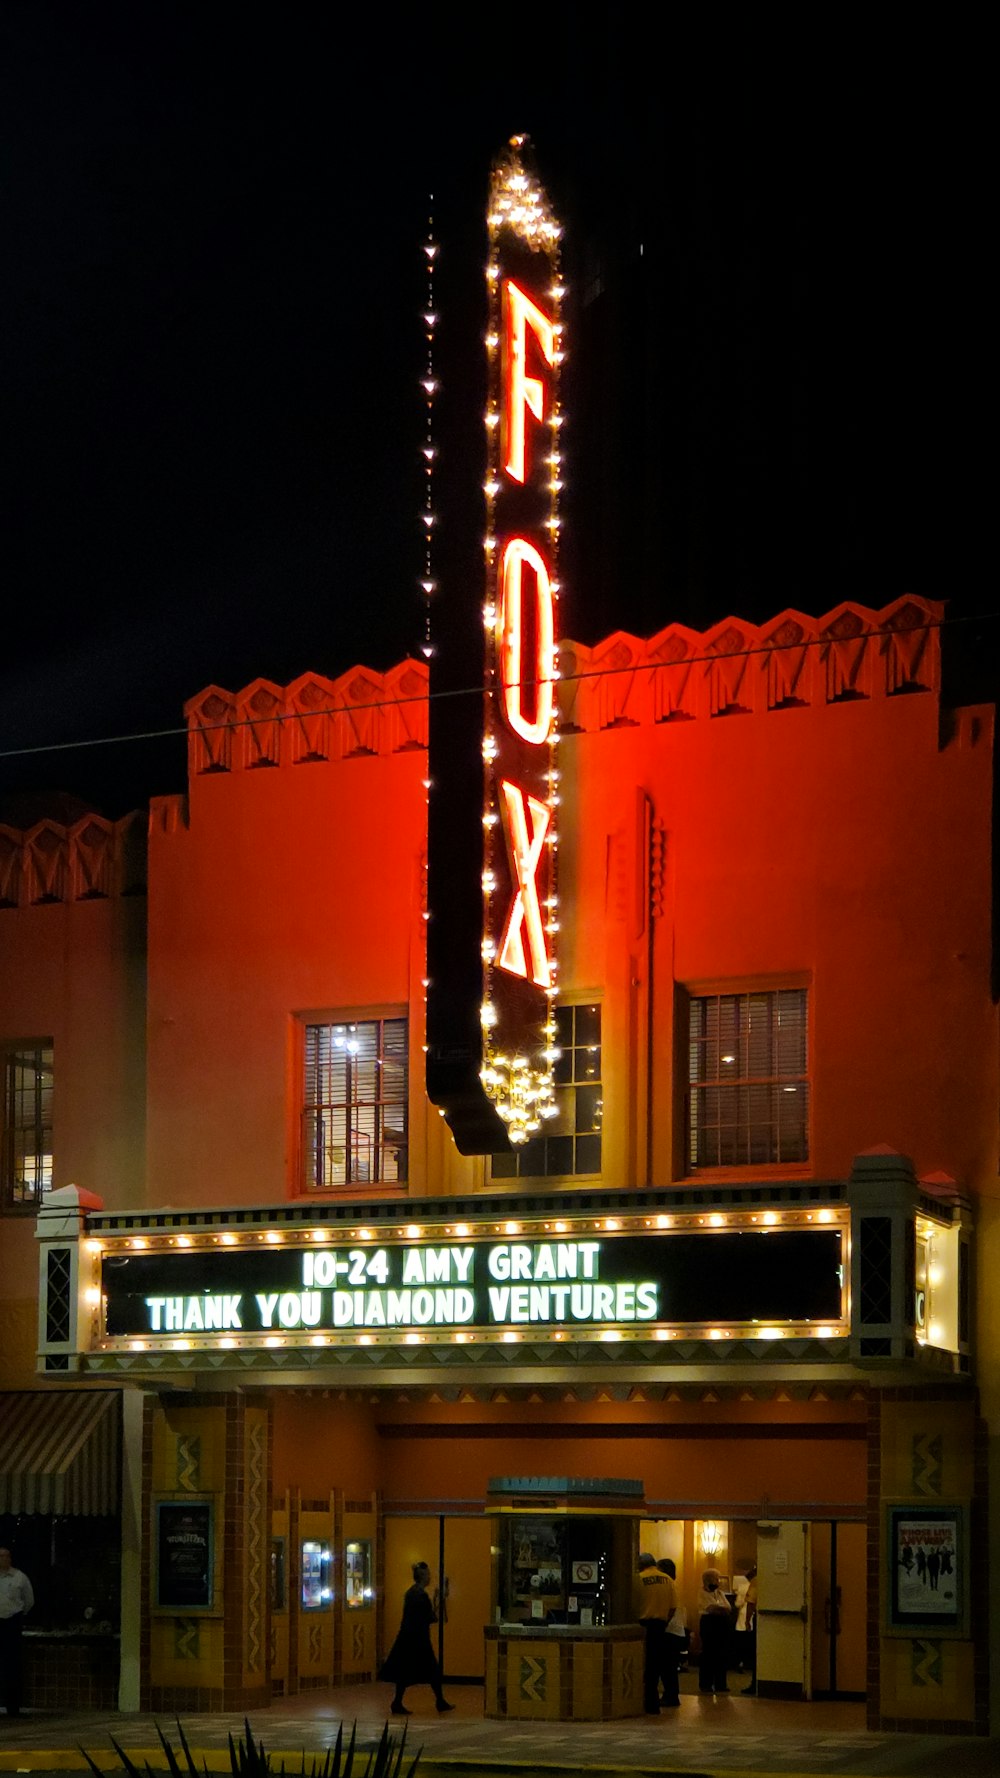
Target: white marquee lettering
[
  {"x": 647, "y": 1301},
  {"x": 548, "y": 1283},
  {"x": 223, "y": 1311}
]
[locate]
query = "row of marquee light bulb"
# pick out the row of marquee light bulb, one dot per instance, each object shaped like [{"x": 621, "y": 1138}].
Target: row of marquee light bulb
[
  {"x": 522, "y": 1086},
  {"x": 679, "y": 1222},
  {"x": 609, "y": 1336},
  {"x": 805, "y": 1330}
]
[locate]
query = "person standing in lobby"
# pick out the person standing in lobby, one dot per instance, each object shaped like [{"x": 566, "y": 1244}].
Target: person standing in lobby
[
  {"x": 16, "y": 1599},
  {"x": 714, "y": 1619},
  {"x": 657, "y": 1605},
  {"x": 675, "y": 1640}
]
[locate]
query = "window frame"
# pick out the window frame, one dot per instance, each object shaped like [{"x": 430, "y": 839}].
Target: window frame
[
  {"x": 512, "y": 1181},
  {"x": 10, "y": 1050},
  {"x": 790, "y": 981},
  {"x": 326, "y": 1016}
]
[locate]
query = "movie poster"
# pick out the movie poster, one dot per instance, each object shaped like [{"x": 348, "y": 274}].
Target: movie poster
[{"x": 926, "y": 1557}]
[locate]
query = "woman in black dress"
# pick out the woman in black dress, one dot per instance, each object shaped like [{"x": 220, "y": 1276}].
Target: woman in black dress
[{"x": 411, "y": 1659}]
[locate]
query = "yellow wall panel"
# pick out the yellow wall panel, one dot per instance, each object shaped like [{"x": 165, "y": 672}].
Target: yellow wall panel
[
  {"x": 928, "y": 1677},
  {"x": 626, "y": 1678},
  {"x": 187, "y": 1651},
  {"x": 316, "y": 1645},
  {"x": 491, "y": 1704},
  {"x": 533, "y": 1680},
  {"x": 927, "y": 1449},
  {"x": 358, "y": 1624},
  {"x": 588, "y": 1671},
  {"x": 189, "y": 1450}
]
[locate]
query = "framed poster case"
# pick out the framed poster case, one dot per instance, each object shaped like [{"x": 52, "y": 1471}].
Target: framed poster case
[
  {"x": 927, "y": 1568},
  {"x": 185, "y": 1555}
]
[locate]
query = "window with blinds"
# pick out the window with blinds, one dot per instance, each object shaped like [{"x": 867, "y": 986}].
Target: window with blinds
[
  {"x": 749, "y": 1082},
  {"x": 571, "y": 1143},
  {"x": 354, "y": 1118},
  {"x": 26, "y": 1134}
]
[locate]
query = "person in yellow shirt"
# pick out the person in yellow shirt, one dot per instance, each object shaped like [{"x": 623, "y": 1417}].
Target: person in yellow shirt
[
  {"x": 657, "y": 1601},
  {"x": 676, "y": 1640}
]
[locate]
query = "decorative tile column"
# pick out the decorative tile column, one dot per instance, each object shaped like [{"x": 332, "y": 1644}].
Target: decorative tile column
[
  {"x": 212, "y": 1451},
  {"x": 926, "y": 1469}
]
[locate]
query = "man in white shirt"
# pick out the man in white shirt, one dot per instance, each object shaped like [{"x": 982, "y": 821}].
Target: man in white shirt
[{"x": 16, "y": 1598}]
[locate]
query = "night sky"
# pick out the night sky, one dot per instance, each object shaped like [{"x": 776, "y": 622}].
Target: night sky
[{"x": 211, "y": 346}]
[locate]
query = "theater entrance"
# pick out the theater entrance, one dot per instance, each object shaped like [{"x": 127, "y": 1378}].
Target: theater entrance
[{"x": 810, "y": 1636}]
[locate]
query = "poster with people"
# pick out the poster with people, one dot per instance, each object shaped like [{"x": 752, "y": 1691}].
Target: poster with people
[{"x": 926, "y": 1567}]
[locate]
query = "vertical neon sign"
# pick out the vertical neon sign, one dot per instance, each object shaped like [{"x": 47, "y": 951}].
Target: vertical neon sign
[{"x": 520, "y": 922}]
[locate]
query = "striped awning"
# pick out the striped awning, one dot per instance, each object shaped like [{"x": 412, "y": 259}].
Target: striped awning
[{"x": 59, "y": 1452}]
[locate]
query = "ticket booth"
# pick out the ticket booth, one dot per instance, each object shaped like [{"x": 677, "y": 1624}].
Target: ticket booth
[{"x": 564, "y": 1642}]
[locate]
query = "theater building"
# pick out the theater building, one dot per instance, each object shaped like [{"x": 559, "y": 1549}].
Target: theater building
[{"x": 268, "y": 1336}]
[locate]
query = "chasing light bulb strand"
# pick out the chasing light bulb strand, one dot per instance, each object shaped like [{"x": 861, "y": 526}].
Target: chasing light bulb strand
[
  {"x": 521, "y": 1086},
  {"x": 429, "y": 448}
]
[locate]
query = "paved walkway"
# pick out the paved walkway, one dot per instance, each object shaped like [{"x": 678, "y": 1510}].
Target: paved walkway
[{"x": 725, "y": 1736}]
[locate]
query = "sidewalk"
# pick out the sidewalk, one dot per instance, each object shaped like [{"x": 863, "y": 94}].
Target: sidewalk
[{"x": 721, "y": 1736}]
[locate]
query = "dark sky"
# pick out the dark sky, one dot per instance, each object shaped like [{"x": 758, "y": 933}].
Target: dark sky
[{"x": 211, "y": 218}]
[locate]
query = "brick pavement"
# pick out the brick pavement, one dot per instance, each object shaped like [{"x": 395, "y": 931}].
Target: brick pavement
[{"x": 726, "y": 1735}]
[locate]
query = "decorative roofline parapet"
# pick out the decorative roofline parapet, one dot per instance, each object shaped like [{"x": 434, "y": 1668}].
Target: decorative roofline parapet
[
  {"x": 853, "y": 654},
  {"x": 92, "y": 860},
  {"x": 361, "y": 713}
]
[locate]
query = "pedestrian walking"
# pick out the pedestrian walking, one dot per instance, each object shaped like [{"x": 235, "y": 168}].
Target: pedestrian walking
[{"x": 411, "y": 1659}]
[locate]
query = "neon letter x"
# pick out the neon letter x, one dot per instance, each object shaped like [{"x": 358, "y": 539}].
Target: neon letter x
[{"x": 524, "y": 909}]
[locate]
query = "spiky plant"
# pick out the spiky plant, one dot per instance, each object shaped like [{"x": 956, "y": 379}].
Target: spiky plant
[{"x": 249, "y": 1759}]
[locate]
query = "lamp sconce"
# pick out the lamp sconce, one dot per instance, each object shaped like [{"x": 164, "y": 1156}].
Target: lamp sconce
[{"x": 711, "y": 1538}]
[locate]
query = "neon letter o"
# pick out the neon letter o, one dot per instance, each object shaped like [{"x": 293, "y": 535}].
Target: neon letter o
[{"x": 509, "y": 629}]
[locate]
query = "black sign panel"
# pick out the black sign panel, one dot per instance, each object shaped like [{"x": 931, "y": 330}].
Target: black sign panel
[
  {"x": 577, "y": 1282},
  {"x": 184, "y": 1554}
]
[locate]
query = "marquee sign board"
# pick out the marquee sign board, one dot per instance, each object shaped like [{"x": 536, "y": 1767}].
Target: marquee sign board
[
  {"x": 584, "y": 1283},
  {"x": 514, "y": 972}
]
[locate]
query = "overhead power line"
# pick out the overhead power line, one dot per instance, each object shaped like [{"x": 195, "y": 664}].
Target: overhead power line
[{"x": 471, "y": 691}]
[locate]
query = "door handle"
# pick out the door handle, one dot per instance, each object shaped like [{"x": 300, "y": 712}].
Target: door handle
[{"x": 799, "y": 1611}]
